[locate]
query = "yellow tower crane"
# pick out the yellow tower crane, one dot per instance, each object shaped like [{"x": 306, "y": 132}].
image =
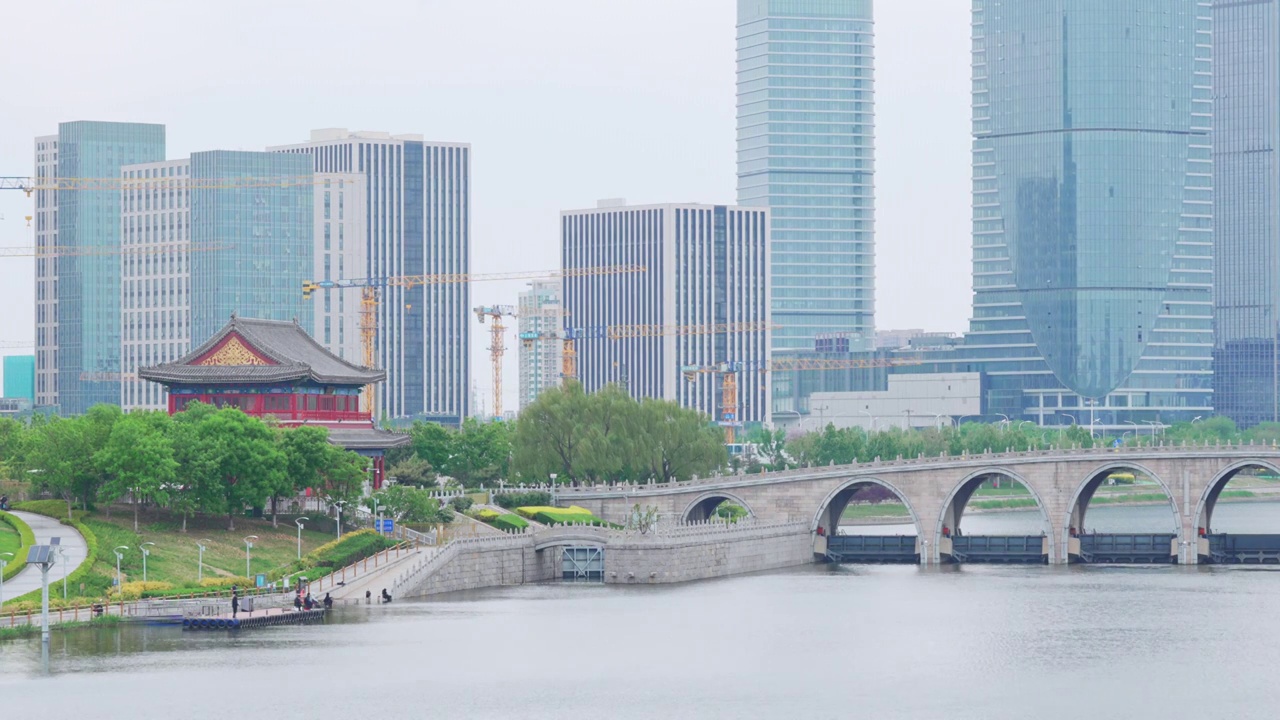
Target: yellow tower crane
[
  {"x": 497, "y": 345},
  {"x": 729, "y": 378},
  {"x": 370, "y": 286}
]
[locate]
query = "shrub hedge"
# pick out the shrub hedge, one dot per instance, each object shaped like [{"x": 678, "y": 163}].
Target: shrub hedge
[
  {"x": 336, "y": 554},
  {"x": 136, "y": 590},
  {"x": 510, "y": 522},
  {"x": 56, "y": 509},
  {"x": 26, "y": 539},
  {"x": 515, "y": 500}
]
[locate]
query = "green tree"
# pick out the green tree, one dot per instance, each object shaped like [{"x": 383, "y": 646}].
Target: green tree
[
  {"x": 407, "y": 504},
  {"x": 343, "y": 477},
  {"x": 772, "y": 446},
  {"x": 678, "y": 443},
  {"x": 59, "y": 456},
  {"x": 609, "y": 444},
  {"x": 414, "y": 471},
  {"x": 550, "y": 434},
  {"x": 307, "y": 453},
  {"x": 198, "y": 486},
  {"x": 432, "y": 442},
  {"x": 246, "y": 459},
  {"x": 138, "y": 460},
  {"x": 480, "y": 453}
]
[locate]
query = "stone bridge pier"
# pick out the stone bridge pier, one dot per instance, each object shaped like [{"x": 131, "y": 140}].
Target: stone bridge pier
[{"x": 936, "y": 492}]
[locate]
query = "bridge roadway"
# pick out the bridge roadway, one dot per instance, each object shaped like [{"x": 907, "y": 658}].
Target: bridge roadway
[{"x": 936, "y": 491}]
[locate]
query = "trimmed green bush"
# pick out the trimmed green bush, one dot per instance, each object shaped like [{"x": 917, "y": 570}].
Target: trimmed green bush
[
  {"x": 26, "y": 539},
  {"x": 515, "y": 500},
  {"x": 510, "y": 522},
  {"x": 461, "y": 504}
]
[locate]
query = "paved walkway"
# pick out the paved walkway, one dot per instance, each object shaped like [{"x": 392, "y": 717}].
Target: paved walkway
[{"x": 44, "y": 528}]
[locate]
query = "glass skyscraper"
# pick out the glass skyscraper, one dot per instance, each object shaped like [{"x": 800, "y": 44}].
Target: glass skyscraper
[
  {"x": 84, "y": 345},
  {"x": 806, "y": 151},
  {"x": 1093, "y": 208},
  {"x": 264, "y": 237},
  {"x": 1246, "y": 75}
]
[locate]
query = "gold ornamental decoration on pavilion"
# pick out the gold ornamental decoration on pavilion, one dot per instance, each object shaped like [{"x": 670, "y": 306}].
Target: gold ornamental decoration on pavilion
[{"x": 233, "y": 352}]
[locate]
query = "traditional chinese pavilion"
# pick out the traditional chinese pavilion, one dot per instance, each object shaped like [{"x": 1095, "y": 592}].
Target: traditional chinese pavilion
[{"x": 272, "y": 368}]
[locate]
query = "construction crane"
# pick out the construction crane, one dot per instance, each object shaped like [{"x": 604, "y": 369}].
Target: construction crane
[
  {"x": 497, "y": 345},
  {"x": 568, "y": 336},
  {"x": 29, "y": 185},
  {"x": 370, "y": 299},
  {"x": 729, "y": 374}
]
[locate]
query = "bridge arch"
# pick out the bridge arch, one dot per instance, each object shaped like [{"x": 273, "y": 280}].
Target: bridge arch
[
  {"x": 704, "y": 506},
  {"x": 954, "y": 505},
  {"x": 838, "y": 499},
  {"x": 1078, "y": 507},
  {"x": 1212, "y": 491}
]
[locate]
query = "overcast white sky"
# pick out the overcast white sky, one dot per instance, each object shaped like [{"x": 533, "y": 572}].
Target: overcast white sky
[{"x": 563, "y": 101}]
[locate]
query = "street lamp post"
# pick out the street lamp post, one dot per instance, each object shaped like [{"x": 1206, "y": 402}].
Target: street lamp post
[
  {"x": 376, "y": 527},
  {"x": 3, "y": 562},
  {"x": 145, "y": 554},
  {"x": 119, "y": 557},
  {"x": 248, "y": 545},
  {"x": 338, "y": 505},
  {"x": 200, "y": 559},
  {"x": 871, "y": 420},
  {"x": 298, "y": 522}
]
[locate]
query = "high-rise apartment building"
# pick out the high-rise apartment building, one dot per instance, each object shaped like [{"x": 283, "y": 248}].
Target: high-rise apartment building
[
  {"x": 806, "y": 150},
  {"x": 20, "y": 377},
  {"x": 220, "y": 233},
  {"x": 1246, "y": 138},
  {"x": 706, "y": 265},
  {"x": 78, "y": 294},
  {"x": 1093, "y": 209},
  {"x": 541, "y": 323},
  {"x": 417, "y": 222}
]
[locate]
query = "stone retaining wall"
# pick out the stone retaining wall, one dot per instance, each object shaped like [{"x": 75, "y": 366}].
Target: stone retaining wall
[
  {"x": 709, "y": 555},
  {"x": 672, "y": 555}
]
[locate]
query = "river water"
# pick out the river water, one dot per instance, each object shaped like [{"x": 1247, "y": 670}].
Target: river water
[{"x": 882, "y": 643}]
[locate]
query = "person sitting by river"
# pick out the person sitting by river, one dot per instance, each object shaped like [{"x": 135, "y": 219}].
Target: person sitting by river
[
  {"x": 297, "y": 601},
  {"x": 328, "y": 602},
  {"x": 308, "y": 604},
  {"x": 386, "y": 596},
  {"x": 4, "y": 502}
]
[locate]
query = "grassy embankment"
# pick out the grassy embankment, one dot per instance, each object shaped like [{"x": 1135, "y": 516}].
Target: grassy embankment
[
  {"x": 173, "y": 558},
  {"x": 15, "y": 538}
]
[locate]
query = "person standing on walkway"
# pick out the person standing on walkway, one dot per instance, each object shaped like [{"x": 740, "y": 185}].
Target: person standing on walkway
[
  {"x": 368, "y": 596},
  {"x": 235, "y": 602}
]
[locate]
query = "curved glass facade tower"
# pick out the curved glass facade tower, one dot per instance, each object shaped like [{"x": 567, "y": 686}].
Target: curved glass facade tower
[{"x": 1092, "y": 195}]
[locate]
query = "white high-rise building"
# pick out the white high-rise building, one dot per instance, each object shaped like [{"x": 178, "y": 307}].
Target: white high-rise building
[
  {"x": 341, "y": 249},
  {"x": 155, "y": 276},
  {"x": 541, "y": 320},
  {"x": 46, "y": 231},
  {"x": 157, "y": 269},
  {"x": 706, "y": 266},
  {"x": 418, "y": 222}
]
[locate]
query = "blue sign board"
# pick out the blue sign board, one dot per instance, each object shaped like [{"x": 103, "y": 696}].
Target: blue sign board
[{"x": 385, "y": 525}]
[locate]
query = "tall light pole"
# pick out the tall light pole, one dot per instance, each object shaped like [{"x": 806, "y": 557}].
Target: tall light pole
[
  {"x": 3, "y": 562},
  {"x": 145, "y": 553},
  {"x": 119, "y": 557},
  {"x": 298, "y": 522},
  {"x": 871, "y": 420},
  {"x": 62, "y": 553},
  {"x": 248, "y": 545},
  {"x": 200, "y": 559},
  {"x": 338, "y": 505},
  {"x": 377, "y": 528}
]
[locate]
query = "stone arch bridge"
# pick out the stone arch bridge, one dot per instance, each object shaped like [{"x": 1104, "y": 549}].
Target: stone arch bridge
[{"x": 936, "y": 491}]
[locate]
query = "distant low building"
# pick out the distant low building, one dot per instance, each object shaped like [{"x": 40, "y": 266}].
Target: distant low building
[
  {"x": 912, "y": 401},
  {"x": 20, "y": 378}
]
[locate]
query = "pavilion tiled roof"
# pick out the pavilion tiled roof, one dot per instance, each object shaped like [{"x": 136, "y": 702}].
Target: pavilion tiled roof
[{"x": 290, "y": 354}]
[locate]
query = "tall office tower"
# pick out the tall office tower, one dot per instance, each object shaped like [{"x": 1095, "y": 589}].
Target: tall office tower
[
  {"x": 155, "y": 269},
  {"x": 340, "y": 251},
  {"x": 1246, "y": 79},
  {"x": 706, "y": 265},
  {"x": 418, "y": 223},
  {"x": 46, "y": 232},
  {"x": 1093, "y": 215},
  {"x": 78, "y": 295},
  {"x": 221, "y": 233},
  {"x": 541, "y": 322},
  {"x": 806, "y": 150}
]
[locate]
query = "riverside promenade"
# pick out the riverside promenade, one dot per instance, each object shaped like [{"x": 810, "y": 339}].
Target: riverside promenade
[{"x": 45, "y": 528}]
